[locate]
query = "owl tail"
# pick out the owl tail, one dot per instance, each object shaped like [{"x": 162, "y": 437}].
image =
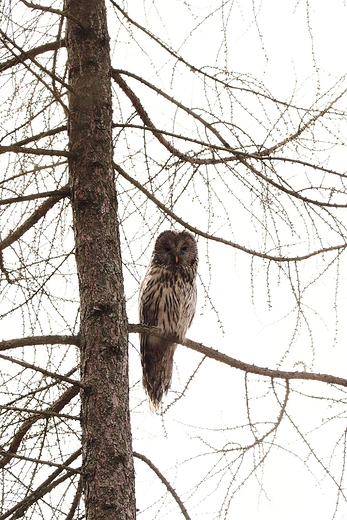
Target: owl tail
[{"x": 157, "y": 363}]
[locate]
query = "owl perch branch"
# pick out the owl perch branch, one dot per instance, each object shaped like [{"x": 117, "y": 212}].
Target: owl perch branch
[
  {"x": 241, "y": 365},
  {"x": 193, "y": 345}
]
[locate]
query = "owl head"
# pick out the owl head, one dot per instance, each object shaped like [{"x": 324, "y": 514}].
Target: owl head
[{"x": 175, "y": 249}]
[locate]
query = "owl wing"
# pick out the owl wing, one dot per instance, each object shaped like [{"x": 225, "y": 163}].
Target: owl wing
[
  {"x": 167, "y": 300},
  {"x": 148, "y": 300},
  {"x": 156, "y": 353}
]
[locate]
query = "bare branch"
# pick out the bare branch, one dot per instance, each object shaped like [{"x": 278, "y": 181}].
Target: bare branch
[
  {"x": 34, "y": 196},
  {"x": 240, "y": 365},
  {"x": 34, "y": 218},
  {"x": 3, "y": 268},
  {"x": 165, "y": 482},
  {"x": 75, "y": 501},
  {"x": 34, "y": 151},
  {"x": 41, "y": 135},
  {"x": 50, "y": 483},
  {"x": 191, "y": 66},
  {"x": 43, "y": 371},
  {"x": 279, "y": 418},
  {"x": 26, "y": 55},
  {"x": 188, "y": 139},
  {"x": 239, "y": 155},
  {"x": 305, "y": 126},
  {"x": 39, "y": 66},
  {"x": 252, "y": 252},
  {"x": 41, "y": 413},
  {"x": 288, "y": 191},
  {"x": 65, "y": 398},
  {"x": 116, "y": 74},
  {"x": 39, "y": 461},
  {"x": 39, "y": 340},
  {"x": 47, "y": 9}
]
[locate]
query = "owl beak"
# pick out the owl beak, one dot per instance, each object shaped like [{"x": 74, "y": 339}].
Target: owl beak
[{"x": 176, "y": 259}]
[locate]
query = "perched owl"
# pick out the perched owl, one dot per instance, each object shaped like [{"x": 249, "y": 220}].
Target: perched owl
[{"x": 167, "y": 300}]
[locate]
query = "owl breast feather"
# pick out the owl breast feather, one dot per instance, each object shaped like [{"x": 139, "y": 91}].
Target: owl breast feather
[{"x": 168, "y": 300}]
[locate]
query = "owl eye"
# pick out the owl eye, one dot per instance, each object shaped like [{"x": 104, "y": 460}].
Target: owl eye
[
  {"x": 184, "y": 248},
  {"x": 167, "y": 249}
]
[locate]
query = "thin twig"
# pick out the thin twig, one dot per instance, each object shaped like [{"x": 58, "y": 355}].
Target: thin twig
[
  {"x": 50, "y": 483},
  {"x": 43, "y": 371},
  {"x": 34, "y": 217},
  {"x": 58, "y": 405}
]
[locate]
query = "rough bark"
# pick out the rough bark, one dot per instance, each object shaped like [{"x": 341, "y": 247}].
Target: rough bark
[{"x": 106, "y": 435}]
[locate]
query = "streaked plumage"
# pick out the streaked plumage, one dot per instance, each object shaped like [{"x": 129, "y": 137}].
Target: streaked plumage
[{"x": 167, "y": 300}]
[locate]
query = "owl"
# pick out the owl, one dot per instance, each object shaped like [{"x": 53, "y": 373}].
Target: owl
[{"x": 167, "y": 300}]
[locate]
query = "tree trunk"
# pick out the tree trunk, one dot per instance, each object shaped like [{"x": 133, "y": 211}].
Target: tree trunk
[{"x": 106, "y": 434}]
